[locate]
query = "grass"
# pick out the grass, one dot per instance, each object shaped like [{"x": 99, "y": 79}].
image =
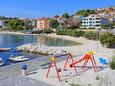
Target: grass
[
  {"x": 97, "y": 77},
  {"x": 112, "y": 63},
  {"x": 72, "y": 84},
  {"x": 89, "y": 84}
]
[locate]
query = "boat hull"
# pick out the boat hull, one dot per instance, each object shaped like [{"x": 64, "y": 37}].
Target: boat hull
[{"x": 4, "y": 49}]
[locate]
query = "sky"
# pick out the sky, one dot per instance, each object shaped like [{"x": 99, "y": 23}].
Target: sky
[{"x": 48, "y": 8}]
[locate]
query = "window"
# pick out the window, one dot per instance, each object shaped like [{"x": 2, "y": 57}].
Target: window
[
  {"x": 97, "y": 22},
  {"x": 97, "y": 25}
]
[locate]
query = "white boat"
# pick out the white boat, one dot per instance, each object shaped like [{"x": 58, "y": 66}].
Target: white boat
[
  {"x": 4, "y": 49},
  {"x": 18, "y": 58},
  {"x": 1, "y": 62}
]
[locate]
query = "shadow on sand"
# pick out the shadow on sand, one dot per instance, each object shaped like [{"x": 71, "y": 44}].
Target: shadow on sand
[{"x": 99, "y": 68}]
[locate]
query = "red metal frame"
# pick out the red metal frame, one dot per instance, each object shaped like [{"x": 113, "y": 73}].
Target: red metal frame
[
  {"x": 54, "y": 61},
  {"x": 70, "y": 57},
  {"x": 86, "y": 59},
  {"x": 55, "y": 68}
]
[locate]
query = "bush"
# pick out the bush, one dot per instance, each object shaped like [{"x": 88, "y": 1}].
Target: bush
[
  {"x": 79, "y": 33},
  {"x": 112, "y": 63},
  {"x": 90, "y": 35},
  {"x": 97, "y": 77},
  {"x": 70, "y": 32},
  {"x": 107, "y": 40},
  {"x": 72, "y": 84},
  {"x": 47, "y": 31},
  {"x": 91, "y": 28}
]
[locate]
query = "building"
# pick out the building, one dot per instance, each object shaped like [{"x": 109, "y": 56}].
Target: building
[
  {"x": 42, "y": 23},
  {"x": 1, "y": 23},
  {"x": 93, "y": 21}
]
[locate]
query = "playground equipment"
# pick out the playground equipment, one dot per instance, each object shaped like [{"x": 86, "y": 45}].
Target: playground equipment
[
  {"x": 52, "y": 60},
  {"x": 86, "y": 58}
]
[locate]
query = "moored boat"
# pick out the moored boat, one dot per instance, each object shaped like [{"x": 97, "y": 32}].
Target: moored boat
[
  {"x": 18, "y": 59},
  {"x": 1, "y": 62},
  {"x": 4, "y": 49}
]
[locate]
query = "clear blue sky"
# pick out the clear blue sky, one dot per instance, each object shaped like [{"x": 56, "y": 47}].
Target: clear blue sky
[{"x": 39, "y": 8}]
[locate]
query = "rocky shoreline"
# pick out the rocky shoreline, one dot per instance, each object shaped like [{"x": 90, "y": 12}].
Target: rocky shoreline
[{"x": 36, "y": 48}]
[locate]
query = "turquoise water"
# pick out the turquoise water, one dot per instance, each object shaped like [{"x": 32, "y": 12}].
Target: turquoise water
[{"x": 13, "y": 41}]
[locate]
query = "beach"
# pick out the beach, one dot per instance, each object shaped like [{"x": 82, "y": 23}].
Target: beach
[
  {"x": 104, "y": 72},
  {"x": 85, "y": 46},
  {"x": 38, "y": 72}
]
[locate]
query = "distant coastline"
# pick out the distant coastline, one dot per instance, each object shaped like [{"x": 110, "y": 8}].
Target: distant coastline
[{"x": 15, "y": 33}]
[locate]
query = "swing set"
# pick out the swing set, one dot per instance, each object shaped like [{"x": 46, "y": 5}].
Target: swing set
[{"x": 88, "y": 57}]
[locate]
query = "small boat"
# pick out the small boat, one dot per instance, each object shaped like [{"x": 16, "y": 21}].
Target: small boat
[
  {"x": 1, "y": 62},
  {"x": 4, "y": 49},
  {"x": 18, "y": 58}
]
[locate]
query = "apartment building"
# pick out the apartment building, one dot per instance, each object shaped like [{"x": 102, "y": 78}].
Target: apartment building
[
  {"x": 1, "y": 23},
  {"x": 42, "y": 23},
  {"x": 93, "y": 21}
]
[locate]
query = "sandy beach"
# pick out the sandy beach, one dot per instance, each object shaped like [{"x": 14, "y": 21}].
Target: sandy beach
[
  {"x": 85, "y": 46},
  {"x": 84, "y": 77}
]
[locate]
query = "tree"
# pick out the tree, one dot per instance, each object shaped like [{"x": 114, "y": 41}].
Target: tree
[
  {"x": 66, "y": 15},
  {"x": 105, "y": 26},
  {"x": 54, "y": 23},
  {"x": 73, "y": 23},
  {"x": 107, "y": 40},
  {"x": 28, "y": 25},
  {"x": 108, "y": 25},
  {"x": 86, "y": 12},
  {"x": 14, "y": 24},
  {"x": 17, "y": 24}
]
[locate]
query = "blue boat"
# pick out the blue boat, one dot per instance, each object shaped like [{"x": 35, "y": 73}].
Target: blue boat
[{"x": 1, "y": 62}]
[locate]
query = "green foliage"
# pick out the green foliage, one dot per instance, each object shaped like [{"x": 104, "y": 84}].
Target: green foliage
[
  {"x": 14, "y": 24},
  {"x": 79, "y": 33},
  {"x": 17, "y": 24},
  {"x": 47, "y": 31},
  {"x": 107, "y": 40},
  {"x": 70, "y": 32},
  {"x": 27, "y": 25},
  {"x": 97, "y": 77},
  {"x": 112, "y": 63},
  {"x": 54, "y": 23},
  {"x": 72, "y": 84},
  {"x": 66, "y": 15},
  {"x": 86, "y": 12},
  {"x": 107, "y": 26},
  {"x": 90, "y": 35}
]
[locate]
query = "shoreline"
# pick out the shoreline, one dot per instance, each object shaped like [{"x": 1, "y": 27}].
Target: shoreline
[
  {"x": 15, "y": 33},
  {"x": 86, "y": 44}
]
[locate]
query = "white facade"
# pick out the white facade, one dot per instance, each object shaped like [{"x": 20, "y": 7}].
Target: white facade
[
  {"x": 1, "y": 23},
  {"x": 92, "y": 21}
]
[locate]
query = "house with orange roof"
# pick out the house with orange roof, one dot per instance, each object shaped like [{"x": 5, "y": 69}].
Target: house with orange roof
[{"x": 42, "y": 23}]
